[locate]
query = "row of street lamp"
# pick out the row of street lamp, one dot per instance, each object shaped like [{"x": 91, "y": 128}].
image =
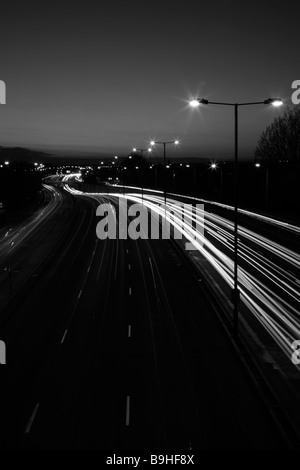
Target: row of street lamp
[
  {"x": 194, "y": 103},
  {"x": 202, "y": 101}
]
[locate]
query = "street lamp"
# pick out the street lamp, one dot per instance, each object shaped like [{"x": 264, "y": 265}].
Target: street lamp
[
  {"x": 154, "y": 142},
  {"x": 214, "y": 166},
  {"x": 195, "y": 103},
  {"x": 142, "y": 153},
  {"x": 142, "y": 150}
]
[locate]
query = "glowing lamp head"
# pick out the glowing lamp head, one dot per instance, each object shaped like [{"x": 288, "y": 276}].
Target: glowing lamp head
[
  {"x": 277, "y": 103},
  {"x": 274, "y": 102},
  {"x": 213, "y": 166},
  {"x": 194, "y": 103},
  {"x": 257, "y": 165},
  {"x": 134, "y": 149},
  {"x": 152, "y": 142},
  {"x": 176, "y": 142}
]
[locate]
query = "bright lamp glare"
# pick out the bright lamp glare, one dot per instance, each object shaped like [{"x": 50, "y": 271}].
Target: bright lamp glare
[
  {"x": 213, "y": 166},
  {"x": 277, "y": 103},
  {"x": 152, "y": 142},
  {"x": 194, "y": 103},
  {"x": 176, "y": 142}
]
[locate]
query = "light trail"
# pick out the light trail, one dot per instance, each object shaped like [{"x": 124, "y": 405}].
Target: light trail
[
  {"x": 13, "y": 237},
  {"x": 268, "y": 271}
]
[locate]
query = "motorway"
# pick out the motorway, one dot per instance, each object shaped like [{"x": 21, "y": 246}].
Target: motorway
[
  {"x": 25, "y": 241},
  {"x": 117, "y": 347},
  {"x": 269, "y": 258},
  {"x": 12, "y": 237}
]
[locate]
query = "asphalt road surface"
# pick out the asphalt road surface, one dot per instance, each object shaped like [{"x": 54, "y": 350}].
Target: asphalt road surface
[{"x": 117, "y": 347}]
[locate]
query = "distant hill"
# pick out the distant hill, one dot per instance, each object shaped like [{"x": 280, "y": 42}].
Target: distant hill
[{"x": 21, "y": 154}]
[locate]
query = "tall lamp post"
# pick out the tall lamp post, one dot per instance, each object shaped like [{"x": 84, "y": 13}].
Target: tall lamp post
[
  {"x": 154, "y": 142},
  {"x": 142, "y": 154},
  {"x": 195, "y": 103},
  {"x": 214, "y": 166}
]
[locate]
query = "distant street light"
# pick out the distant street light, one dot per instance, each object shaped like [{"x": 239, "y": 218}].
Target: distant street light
[
  {"x": 6, "y": 163},
  {"x": 142, "y": 150},
  {"x": 214, "y": 166},
  {"x": 195, "y": 103},
  {"x": 142, "y": 153},
  {"x": 154, "y": 142}
]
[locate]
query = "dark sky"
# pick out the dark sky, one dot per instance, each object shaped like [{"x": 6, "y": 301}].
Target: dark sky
[{"x": 106, "y": 76}]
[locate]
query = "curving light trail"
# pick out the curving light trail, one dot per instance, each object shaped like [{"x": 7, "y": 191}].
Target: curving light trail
[
  {"x": 11, "y": 237},
  {"x": 268, "y": 272}
]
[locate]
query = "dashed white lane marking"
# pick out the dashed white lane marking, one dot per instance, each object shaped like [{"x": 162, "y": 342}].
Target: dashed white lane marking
[
  {"x": 127, "y": 250},
  {"x": 28, "y": 427},
  {"x": 79, "y": 294},
  {"x": 63, "y": 338},
  {"x": 129, "y": 267},
  {"x": 129, "y": 331},
  {"x": 129, "y": 290},
  {"x": 127, "y": 410}
]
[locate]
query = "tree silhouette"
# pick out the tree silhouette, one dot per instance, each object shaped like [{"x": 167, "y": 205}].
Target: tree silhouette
[{"x": 280, "y": 141}]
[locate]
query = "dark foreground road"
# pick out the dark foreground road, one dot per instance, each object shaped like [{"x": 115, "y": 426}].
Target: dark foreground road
[{"x": 116, "y": 347}]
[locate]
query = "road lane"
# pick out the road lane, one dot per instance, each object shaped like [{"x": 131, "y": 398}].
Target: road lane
[{"x": 173, "y": 383}]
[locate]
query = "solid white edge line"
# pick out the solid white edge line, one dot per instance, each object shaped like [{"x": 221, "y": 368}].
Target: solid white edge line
[
  {"x": 127, "y": 410},
  {"x": 28, "y": 427},
  {"x": 63, "y": 338}
]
